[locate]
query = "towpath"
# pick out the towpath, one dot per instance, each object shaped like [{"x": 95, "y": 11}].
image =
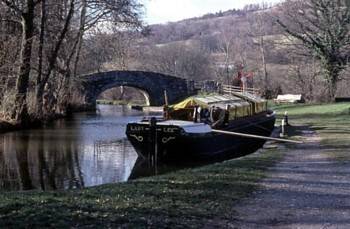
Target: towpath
[{"x": 307, "y": 189}]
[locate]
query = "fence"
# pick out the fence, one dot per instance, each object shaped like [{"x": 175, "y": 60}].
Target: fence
[
  {"x": 229, "y": 89},
  {"x": 211, "y": 86}
]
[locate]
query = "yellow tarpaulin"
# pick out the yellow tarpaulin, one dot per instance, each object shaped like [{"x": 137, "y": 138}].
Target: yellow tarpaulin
[
  {"x": 241, "y": 105},
  {"x": 189, "y": 102}
]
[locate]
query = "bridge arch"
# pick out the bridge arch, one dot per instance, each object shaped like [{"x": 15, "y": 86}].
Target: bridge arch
[
  {"x": 142, "y": 91},
  {"x": 153, "y": 84}
]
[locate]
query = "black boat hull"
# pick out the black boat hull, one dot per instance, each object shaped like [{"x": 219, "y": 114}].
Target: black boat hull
[{"x": 177, "y": 145}]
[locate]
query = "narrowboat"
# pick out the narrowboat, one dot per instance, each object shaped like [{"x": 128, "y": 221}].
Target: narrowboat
[{"x": 199, "y": 128}]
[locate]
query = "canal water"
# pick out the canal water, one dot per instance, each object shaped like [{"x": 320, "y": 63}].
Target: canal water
[{"x": 85, "y": 150}]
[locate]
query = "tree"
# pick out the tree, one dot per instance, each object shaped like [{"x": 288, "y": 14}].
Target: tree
[
  {"x": 323, "y": 27},
  {"x": 182, "y": 60},
  {"x": 259, "y": 26},
  {"x": 110, "y": 51},
  {"x": 305, "y": 74},
  {"x": 234, "y": 43},
  {"x": 25, "y": 12},
  {"x": 227, "y": 41},
  {"x": 52, "y": 36}
]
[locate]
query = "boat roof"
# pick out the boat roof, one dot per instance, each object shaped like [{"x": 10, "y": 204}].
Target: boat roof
[
  {"x": 249, "y": 96},
  {"x": 208, "y": 100}
]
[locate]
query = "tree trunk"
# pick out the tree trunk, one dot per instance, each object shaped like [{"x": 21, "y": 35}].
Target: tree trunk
[
  {"x": 332, "y": 89},
  {"x": 20, "y": 111},
  {"x": 263, "y": 60},
  {"x": 39, "y": 92},
  {"x": 53, "y": 57},
  {"x": 80, "y": 36},
  {"x": 332, "y": 76}
]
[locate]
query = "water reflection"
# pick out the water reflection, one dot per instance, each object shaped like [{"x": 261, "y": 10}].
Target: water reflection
[{"x": 88, "y": 149}]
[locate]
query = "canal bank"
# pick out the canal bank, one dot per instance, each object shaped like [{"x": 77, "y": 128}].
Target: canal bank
[
  {"x": 309, "y": 188},
  {"x": 6, "y": 126},
  {"x": 187, "y": 198},
  {"x": 201, "y": 197},
  {"x": 177, "y": 199}
]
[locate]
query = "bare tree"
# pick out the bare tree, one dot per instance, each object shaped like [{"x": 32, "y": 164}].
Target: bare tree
[
  {"x": 187, "y": 61},
  {"x": 110, "y": 50},
  {"x": 227, "y": 41},
  {"x": 25, "y": 12},
  {"x": 322, "y": 26},
  {"x": 233, "y": 42},
  {"x": 258, "y": 30},
  {"x": 306, "y": 74},
  {"x": 52, "y": 37}
]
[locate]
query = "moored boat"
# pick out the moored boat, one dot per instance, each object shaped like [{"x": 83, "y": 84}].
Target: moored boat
[{"x": 189, "y": 129}]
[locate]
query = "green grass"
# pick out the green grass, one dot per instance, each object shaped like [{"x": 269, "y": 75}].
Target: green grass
[
  {"x": 187, "y": 198},
  {"x": 314, "y": 110},
  {"x": 330, "y": 121}
]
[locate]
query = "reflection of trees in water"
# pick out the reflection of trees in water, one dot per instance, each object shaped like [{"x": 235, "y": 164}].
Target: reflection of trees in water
[
  {"x": 62, "y": 155},
  {"x": 58, "y": 164},
  {"x": 79, "y": 183},
  {"x": 120, "y": 145},
  {"x": 8, "y": 176},
  {"x": 15, "y": 172},
  {"x": 39, "y": 161},
  {"x": 113, "y": 155},
  {"x": 48, "y": 160},
  {"x": 22, "y": 160}
]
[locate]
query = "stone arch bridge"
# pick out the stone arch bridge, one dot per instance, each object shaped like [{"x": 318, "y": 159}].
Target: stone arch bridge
[{"x": 151, "y": 84}]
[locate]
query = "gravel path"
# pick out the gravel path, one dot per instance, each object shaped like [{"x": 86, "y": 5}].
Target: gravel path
[{"x": 306, "y": 190}]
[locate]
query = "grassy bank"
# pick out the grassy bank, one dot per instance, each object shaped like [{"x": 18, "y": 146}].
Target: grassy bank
[
  {"x": 330, "y": 121},
  {"x": 188, "y": 198}
]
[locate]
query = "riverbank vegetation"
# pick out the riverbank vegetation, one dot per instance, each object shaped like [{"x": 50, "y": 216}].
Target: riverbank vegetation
[
  {"x": 46, "y": 45},
  {"x": 188, "y": 198},
  {"x": 197, "y": 197},
  {"x": 41, "y": 48}
]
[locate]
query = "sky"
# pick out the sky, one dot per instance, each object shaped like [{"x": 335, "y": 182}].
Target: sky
[{"x": 162, "y": 11}]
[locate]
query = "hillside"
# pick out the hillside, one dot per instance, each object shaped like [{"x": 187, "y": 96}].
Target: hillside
[
  {"x": 249, "y": 37},
  {"x": 227, "y": 38},
  {"x": 199, "y": 28},
  {"x": 218, "y": 46}
]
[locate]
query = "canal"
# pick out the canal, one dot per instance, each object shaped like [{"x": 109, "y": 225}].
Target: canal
[{"x": 85, "y": 150}]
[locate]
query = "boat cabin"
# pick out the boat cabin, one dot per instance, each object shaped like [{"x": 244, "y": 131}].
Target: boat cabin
[
  {"x": 215, "y": 109},
  {"x": 204, "y": 127}
]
